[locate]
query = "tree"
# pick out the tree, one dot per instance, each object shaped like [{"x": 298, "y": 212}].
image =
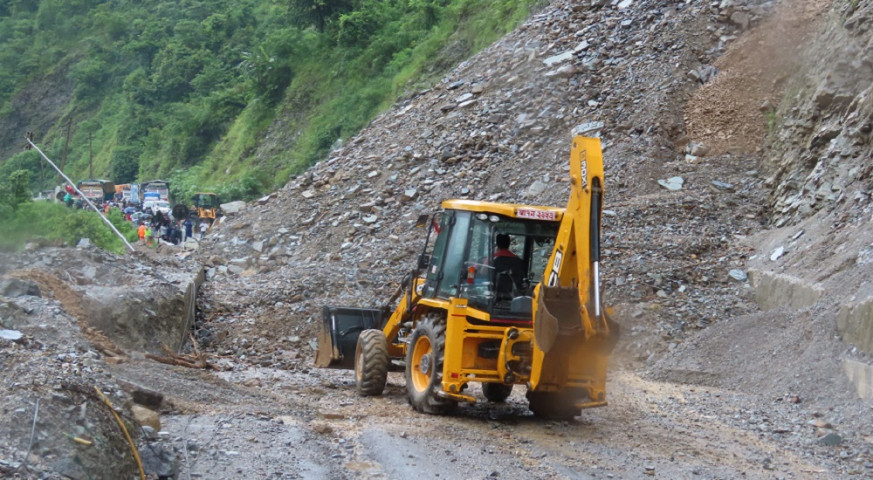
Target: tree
[
  {"x": 17, "y": 188},
  {"x": 124, "y": 164},
  {"x": 88, "y": 76},
  {"x": 356, "y": 28},
  {"x": 29, "y": 161},
  {"x": 269, "y": 65},
  {"x": 318, "y": 12},
  {"x": 173, "y": 69},
  {"x": 429, "y": 10}
]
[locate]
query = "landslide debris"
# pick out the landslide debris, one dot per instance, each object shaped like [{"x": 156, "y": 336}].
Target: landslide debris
[
  {"x": 67, "y": 315},
  {"x": 498, "y": 128},
  {"x": 673, "y": 95}
]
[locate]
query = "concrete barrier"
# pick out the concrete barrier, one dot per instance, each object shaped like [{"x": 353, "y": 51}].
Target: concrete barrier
[
  {"x": 861, "y": 375},
  {"x": 855, "y": 324},
  {"x": 854, "y": 321},
  {"x": 774, "y": 290}
]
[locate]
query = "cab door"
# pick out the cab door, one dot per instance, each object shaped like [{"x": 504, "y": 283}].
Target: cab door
[{"x": 446, "y": 267}]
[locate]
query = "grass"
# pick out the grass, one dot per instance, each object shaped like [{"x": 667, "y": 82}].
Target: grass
[{"x": 46, "y": 222}]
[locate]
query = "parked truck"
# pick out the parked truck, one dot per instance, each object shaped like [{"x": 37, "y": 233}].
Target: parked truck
[
  {"x": 97, "y": 190},
  {"x": 159, "y": 187}
]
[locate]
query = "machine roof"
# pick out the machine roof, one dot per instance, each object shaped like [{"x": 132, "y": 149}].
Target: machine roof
[{"x": 513, "y": 210}]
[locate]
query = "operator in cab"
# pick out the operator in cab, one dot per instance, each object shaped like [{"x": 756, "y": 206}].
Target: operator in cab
[{"x": 502, "y": 242}]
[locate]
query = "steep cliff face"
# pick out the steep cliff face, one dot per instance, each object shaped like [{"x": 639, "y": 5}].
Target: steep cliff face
[
  {"x": 794, "y": 95},
  {"x": 819, "y": 149},
  {"x": 819, "y": 166}
]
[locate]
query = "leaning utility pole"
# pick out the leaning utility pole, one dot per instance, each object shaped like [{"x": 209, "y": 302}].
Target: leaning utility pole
[{"x": 106, "y": 220}]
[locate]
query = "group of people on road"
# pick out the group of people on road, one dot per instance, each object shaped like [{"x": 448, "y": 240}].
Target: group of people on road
[
  {"x": 151, "y": 225},
  {"x": 72, "y": 199},
  {"x": 166, "y": 228}
]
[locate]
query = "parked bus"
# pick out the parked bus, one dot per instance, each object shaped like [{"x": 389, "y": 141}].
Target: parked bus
[{"x": 135, "y": 196}]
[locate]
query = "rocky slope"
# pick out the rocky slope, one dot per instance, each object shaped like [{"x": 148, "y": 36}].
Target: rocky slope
[
  {"x": 672, "y": 93},
  {"x": 66, "y": 316},
  {"x": 498, "y": 128}
]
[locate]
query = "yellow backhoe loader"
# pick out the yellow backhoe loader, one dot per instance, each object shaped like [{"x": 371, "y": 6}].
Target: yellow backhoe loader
[
  {"x": 505, "y": 295},
  {"x": 206, "y": 206}
]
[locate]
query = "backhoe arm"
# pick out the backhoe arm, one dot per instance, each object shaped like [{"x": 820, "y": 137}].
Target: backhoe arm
[{"x": 567, "y": 311}]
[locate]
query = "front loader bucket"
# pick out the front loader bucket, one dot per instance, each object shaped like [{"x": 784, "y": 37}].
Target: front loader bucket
[{"x": 340, "y": 329}]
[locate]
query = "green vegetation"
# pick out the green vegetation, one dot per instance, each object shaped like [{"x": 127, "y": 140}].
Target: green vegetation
[
  {"x": 53, "y": 222},
  {"x": 188, "y": 89},
  {"x": 772, "y": 120},
  {"x": 15, "y": 190},
  {"x": 23, "y": 220}
]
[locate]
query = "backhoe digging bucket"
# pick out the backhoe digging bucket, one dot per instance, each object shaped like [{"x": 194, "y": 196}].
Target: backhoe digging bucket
[
  {"x": 554, "y": 307},
  {"x": 340, "y": 329}
]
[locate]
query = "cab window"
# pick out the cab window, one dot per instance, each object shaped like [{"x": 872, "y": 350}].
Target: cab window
[
  {"x": 447, "y": 259},
  {"x": 441, "y": 225},
  {"x": 453, "y": 263}
]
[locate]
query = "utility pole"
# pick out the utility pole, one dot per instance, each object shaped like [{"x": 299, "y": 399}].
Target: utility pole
[
  {"x": 66, "y": 143},
  {"x": 90, "y": 157}
]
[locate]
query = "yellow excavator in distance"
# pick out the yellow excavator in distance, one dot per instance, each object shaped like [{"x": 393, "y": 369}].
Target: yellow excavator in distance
[
  {"x": 206, "y": 205},
  {"x": 469, "y": 314}
]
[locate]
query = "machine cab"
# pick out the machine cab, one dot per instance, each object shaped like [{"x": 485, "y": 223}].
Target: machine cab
[{"x": 491, "y": 254}]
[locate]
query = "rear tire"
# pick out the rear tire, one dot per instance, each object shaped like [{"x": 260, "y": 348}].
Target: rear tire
[
  {"x": 371, "y": 363},
  {"x": 496, "y": 392},
  {"x": 553, "y": 405},
  {"x": 424, "y": 366}
]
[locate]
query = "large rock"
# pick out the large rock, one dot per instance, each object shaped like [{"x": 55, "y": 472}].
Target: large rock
[
  {"x": 146, "y": 416},
  {"x": 233, "y": 207},
  {"x": 16, "y": 287}
]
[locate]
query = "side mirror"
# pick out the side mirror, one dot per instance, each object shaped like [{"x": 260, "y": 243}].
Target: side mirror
[
  {"x": 421, "y": 221},
  {"x": 423, "y": 261}
]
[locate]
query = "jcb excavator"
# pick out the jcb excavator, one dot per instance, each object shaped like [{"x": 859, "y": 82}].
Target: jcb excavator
[
  {"x": 207, "y": 206},
  {"x": 472, "y": 313}
]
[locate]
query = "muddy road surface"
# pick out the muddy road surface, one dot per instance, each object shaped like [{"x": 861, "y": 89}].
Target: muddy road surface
[{"x": 260, "y": 422}]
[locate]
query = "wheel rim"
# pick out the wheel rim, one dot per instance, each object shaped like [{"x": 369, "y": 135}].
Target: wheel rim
[{"x": 421, "y": 367}]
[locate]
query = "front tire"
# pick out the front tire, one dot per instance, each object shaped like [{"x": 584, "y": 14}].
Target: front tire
[
  {"x": 371, "y": 363},
  {"x": 424, "y": 366}
]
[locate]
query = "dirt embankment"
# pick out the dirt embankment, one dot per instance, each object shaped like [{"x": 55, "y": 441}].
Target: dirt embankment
[
  {"x": 67, "y": 316},
  {"x": 731, "y": 114}
]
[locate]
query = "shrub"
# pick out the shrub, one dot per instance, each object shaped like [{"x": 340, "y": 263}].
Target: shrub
[{"x": 35, "y": 221}]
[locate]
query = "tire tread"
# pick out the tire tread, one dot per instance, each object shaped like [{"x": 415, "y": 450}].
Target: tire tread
[{"x": 373, "y": 354}]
